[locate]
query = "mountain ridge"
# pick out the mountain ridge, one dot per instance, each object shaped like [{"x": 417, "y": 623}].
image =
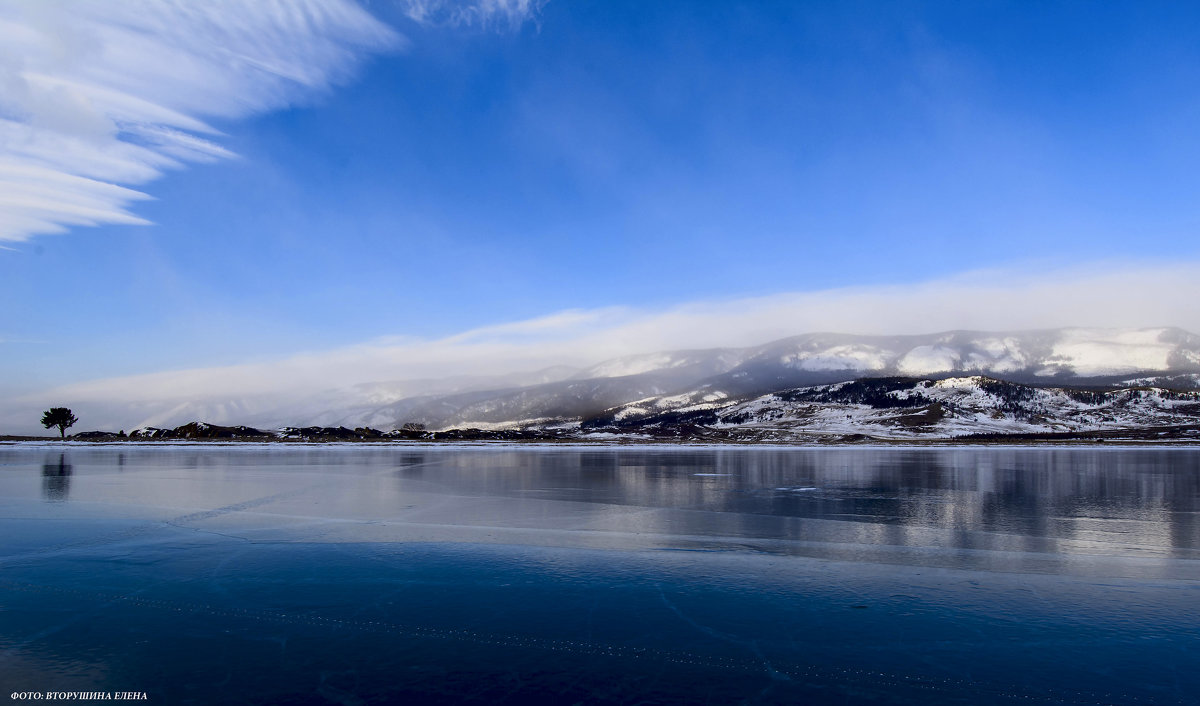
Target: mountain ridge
[
  {"x": 867, "y": 409},
  {"x": 1106, "y": 356},
  {"x": 1078, "y": 357}
]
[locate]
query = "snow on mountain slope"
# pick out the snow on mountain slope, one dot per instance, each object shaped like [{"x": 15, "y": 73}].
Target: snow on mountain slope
[
  {"x": 1091, "y": 352},
  {"x": 680, "y": 380},
  {"x": 697, "y": 380},
  {"x": 1077, "y": 352},
  {"x": 860, "y": 357},
  {"x": 1184, "y": 381},
  {"x": 913, "y": 408}
]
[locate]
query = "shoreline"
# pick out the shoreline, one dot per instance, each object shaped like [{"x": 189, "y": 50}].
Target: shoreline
[{"x": 872, "y": 443}]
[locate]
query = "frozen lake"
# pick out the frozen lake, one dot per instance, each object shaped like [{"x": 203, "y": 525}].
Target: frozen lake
[{"x": 432, "y": 574}]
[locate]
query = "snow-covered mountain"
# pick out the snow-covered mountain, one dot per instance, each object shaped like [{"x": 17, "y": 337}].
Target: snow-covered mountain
[
  {"x": 1069, "y": 352},
  {"x": 1061, "y": 356},
  {"x": 899, "y": 408},
  {"x": 1033, "y": 356},
  {"x": 670, "y": 380},
  {"x": 864, "y": 409}
]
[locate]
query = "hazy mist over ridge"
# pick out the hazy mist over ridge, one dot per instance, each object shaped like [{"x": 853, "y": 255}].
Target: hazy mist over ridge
[{"x": 1051, "y": 356}]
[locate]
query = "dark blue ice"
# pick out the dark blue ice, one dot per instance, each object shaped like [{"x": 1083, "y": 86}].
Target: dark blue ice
[{"x": 405, "y": 574}]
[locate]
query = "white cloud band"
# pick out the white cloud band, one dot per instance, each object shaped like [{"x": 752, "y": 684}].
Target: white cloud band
[{"x": 999, "y": 301}]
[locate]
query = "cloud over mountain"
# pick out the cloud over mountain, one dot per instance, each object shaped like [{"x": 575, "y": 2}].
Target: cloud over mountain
[{"x": 996, "y": 301}]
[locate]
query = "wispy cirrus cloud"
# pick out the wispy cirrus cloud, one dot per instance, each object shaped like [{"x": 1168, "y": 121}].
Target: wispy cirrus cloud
[
  {"x": 503, "y": 14},
  {"x": 97, "y": 97}
]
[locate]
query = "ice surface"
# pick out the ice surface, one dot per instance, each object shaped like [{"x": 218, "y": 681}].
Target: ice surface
[{"x": 221, "y": 573}]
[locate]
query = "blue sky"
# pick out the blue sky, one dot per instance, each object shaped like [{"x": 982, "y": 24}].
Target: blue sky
[{"x": 493, "y": 163}]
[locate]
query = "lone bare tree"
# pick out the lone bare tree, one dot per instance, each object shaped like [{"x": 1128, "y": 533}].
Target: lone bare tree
[{"x": 60, "y": 417}]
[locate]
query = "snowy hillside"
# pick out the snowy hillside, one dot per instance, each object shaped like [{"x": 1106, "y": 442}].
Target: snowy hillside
[
  {"x": 1062, "y": 356},
  {"x": 1069, "y": 351},
  {"x": 911, "y": 408},
  {"x": 894, "y": 408},
  {"x": 1031, "y": 356},
  {"x": 636, "y": 387}
]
